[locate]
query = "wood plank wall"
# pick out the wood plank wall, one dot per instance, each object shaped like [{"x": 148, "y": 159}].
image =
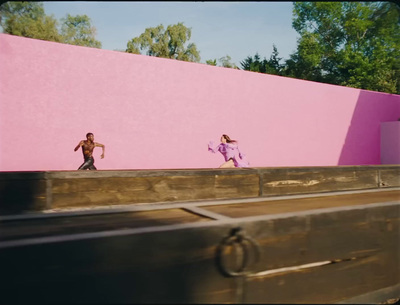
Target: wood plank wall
[
  {"x": 178, "y": 265},
  {"x": 36, "y": 191}
]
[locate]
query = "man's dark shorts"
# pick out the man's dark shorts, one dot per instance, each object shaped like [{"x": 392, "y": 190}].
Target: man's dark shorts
[{"x": 88, "y": 164}]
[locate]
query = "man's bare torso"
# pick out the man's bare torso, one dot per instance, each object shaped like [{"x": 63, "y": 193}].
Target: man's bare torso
[{"x": 87, "y": 148}]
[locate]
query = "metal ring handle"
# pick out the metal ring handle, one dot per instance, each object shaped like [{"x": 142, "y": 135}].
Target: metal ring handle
[{"x": 238, "y": 238}]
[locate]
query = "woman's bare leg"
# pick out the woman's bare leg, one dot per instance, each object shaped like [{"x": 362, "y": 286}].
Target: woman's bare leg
[{"x": 227, "y": 164}]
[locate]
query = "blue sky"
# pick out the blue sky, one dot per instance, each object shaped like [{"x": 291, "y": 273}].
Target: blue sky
[{"x": 238, "y": 29}]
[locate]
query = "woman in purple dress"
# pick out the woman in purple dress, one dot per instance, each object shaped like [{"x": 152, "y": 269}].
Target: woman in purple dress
[{"x": 229, "y": 149}]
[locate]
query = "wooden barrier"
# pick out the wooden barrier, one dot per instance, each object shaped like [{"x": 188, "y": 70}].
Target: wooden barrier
[
  {"x": 336, "y": 248},
  {"x": 265, "y": 235},
  {"x": 36, "y": 191}
]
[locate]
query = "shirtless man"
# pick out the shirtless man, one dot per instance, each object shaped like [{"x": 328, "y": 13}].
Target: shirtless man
[{"x": 87, "y": 150}]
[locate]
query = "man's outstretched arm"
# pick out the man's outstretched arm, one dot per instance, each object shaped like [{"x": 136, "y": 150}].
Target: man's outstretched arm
[
  {"x": 79, "y": 145},
  {"x": 102, "y": 146}
]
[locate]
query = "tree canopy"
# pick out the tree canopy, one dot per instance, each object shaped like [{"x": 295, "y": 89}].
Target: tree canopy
[
  {"x": 77, "y": 30},
  {"x": 271, "y": 66},
  {"x": 28, "y": 19},
  {"x": 169, "y": 43},
  {"x": 224, "y": 61},
  {"x": 355, "y": 44}
]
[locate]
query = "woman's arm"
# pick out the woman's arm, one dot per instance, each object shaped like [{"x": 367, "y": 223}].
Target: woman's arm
[{"x": 211, "y": 148}]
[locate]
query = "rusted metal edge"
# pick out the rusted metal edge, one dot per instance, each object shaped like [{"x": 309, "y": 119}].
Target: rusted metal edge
[
  {"x": 375, "y": 297},
  {"x": 138, "y": 207},
  {"x": 182, "y": 172},
  {"x": 205, "y": 213},
  {"x": 227, "y": 221}
]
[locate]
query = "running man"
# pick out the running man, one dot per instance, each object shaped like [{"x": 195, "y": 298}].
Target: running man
[{"x": 88, "y": 146}]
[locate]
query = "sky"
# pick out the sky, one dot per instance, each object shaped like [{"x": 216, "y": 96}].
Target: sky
[{"x": 237, "y": 29}]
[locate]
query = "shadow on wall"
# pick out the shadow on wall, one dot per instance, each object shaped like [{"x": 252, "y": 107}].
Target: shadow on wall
[
  {"x": 362, "y": 143},
  {"x": 18, "y": 195},
  {"x": 157, "y": 267}
]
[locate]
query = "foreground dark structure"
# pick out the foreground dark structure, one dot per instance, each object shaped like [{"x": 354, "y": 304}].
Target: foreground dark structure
[{"x": 259, "y": 235}]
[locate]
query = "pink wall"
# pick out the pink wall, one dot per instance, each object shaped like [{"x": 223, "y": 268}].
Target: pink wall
[
  {"x": 154, "y": 113},
  {"x": 390, "y": 142}
]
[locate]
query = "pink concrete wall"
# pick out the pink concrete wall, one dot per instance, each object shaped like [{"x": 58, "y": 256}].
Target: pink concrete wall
[
  {"x": 154, "y": 113},
  {"x": 390, "y": 142}
]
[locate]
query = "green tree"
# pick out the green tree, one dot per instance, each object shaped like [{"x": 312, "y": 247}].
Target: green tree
[
  {"x": 271, "y": 66},
  {"x": 246, "y": 63},
  {"x": 258, "y": 65},
  {"x": 355, "y": 44},
  {"x": 28, "y": 19},
  {"x": 169, "y": 43},
  {"x": 306, "y": 63},
  {"x": 211, "y": 62},
  {"x": 77, "y": 30},
  {"x": 225, "y": 62}
]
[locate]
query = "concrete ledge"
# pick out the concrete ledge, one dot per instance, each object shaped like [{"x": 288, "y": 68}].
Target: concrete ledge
[{"x": 36, "y": 191}]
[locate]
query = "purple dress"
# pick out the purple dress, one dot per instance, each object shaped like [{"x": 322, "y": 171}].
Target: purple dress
[{"x": 230, "y": 151}]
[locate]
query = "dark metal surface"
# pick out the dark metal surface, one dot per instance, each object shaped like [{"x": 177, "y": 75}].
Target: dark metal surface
[
  {"x": 178, "y": 262},
  {"x": 330, "y": 247}
]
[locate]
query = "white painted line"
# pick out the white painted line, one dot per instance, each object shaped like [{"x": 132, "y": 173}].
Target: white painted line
[{"x": 286, "y": 269}]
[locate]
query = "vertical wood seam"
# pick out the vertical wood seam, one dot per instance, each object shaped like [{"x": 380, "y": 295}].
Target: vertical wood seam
[
  {"x": 49, "y": 193},
  {"x": 379, "y": 178},
  {"x": 260, "y": 184}
]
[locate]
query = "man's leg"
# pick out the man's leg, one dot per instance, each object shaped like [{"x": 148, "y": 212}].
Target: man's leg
[
  {"x": 88, "y": 164},
  {"x": 91, "y": 166},
  {"x": 83, "y": 166}
]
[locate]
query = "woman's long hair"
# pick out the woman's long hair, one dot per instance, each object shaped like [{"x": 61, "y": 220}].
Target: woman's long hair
[{"x": 228, "y": 139}]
